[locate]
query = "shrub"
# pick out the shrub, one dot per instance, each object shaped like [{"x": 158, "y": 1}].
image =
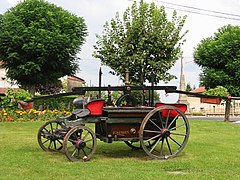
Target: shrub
[
  {"x": 60, "y": 103},
  {"x": 12, "y": 96}
]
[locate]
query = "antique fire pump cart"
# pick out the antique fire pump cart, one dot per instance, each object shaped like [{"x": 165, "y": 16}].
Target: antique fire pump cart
[{"x": 161, "y": 130}]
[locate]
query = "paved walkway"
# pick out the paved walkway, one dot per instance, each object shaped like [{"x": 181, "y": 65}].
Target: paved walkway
[{"x": 235, "y": 119}]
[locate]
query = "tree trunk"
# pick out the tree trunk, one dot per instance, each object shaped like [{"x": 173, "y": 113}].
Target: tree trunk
[{"x": 227, "y": 110}]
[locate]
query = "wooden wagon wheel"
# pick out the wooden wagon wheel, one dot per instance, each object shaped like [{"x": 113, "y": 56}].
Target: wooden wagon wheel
[
  {"x": 164, "y": 132},
  {"x": 80, "y": 143},
  {"x": 50, "y": 135}
]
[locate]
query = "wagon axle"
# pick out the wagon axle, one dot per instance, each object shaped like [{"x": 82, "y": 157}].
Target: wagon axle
[{"x": 52, "y": 137}]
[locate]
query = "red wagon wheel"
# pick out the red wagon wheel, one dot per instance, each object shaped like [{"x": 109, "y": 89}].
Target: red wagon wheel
[
  {"x": 164, "y": 132},
  {"x": 79, "y": 143},
  {"x": 50, "y": 135}
]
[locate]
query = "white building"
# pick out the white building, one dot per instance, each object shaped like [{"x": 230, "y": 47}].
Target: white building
[{"x": 4, "y": 83}]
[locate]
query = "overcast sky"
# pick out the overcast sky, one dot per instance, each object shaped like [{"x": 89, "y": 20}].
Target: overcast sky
[{"x": 201, "y": 22}]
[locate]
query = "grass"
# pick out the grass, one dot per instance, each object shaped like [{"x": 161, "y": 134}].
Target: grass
[{"x": 212, "y": 152}]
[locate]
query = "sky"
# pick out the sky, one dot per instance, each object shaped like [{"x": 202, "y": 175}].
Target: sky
[{"x": 202, "y": 22}]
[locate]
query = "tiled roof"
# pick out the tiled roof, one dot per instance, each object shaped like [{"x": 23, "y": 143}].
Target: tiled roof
[
  {"x": 75, "y": 78},
  {"x": 199, "y": 90}
]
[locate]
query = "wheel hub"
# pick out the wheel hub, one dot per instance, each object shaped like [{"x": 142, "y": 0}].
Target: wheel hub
[
  {"x": 80, "y": 144},
  {"x": 165, "y": 133},
  {"x": 51, "y": 137}
]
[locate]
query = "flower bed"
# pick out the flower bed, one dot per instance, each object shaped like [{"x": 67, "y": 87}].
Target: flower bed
[{"x": 31, "y": 115}]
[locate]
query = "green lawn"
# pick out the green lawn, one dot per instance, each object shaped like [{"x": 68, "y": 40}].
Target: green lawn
[{"x": 212, "y": 152}]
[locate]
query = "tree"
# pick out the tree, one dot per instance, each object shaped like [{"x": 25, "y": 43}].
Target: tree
[
  {"x": 39, "y": 42},
  {"x": 144, "y": 42},
  {"x": 217, "y": 91},
  {"x": 188, "y": 87},
  {"x": 219, "y": 58}
]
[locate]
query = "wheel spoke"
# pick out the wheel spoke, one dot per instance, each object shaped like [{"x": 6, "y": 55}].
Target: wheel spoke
[
  {"x": 167, "y": 118},
  {"x": 160, "y": 118},
  {"x": 175, "y": 118},
  {"x": 152, "y": 138},
  {"x": 84, "y": 152},
  {"x": 75, "y": 135},
  {"x": 45, "y": 129},
  {"x": 161, "y": 149},
  {"x": 179, "y": 134},
  {"x": 155, "y": 144},
  {"x": 54, "y": 143},
  {"x": 59, "y": 141},
  {"x": 46, "y": 141},
  {"x": 51, "y": 127},
  {"x": 151, "y": 131},
  {"x": 177, "y": 126},
  {"x": 50, "y": 144},
  {"x": 88, "y": 140},
  {"x": 42, "y": 133},
  {"x": 88, "y": 147},
  {"x": 169, "y": 148},
  {"x": 78, "y": 156},
  {"x": 75, "y": 150},
  {"x": 155, "y": 124},
  {"x": 85, "y": 136},
  {"x": 71, "y": 140},
  {"x": 80, "y": 133},
  {"x": 175, "y": 141}
]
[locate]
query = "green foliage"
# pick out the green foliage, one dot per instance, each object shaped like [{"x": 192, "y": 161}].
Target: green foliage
[
  {"x": 12, "y": 96},
  {"x": 50, "y": 88},
  {"x": 39, "y": 42},
  {"x": 60, "y": 103},
  {"x": 219, "y": 57},
  {"x": 217, "y": 91},
  {"x": 95, "y": 94},
  {"x": 143, "y": 42},
  {"x": 138, "y": 95}
]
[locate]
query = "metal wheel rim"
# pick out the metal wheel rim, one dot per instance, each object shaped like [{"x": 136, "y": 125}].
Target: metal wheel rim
[
  {"x": 164, "y": 140},
  {"x": 79, "y": 143}
]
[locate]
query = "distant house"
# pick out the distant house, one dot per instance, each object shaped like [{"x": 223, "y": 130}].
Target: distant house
[
  {"x": 196, "y": 105},
  {"x": 74, "y": 81}
]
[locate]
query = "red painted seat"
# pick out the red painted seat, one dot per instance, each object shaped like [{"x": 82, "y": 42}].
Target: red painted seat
[
  {"x": 172, "y": 113},
  {"x": 95, "y": 107}
]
